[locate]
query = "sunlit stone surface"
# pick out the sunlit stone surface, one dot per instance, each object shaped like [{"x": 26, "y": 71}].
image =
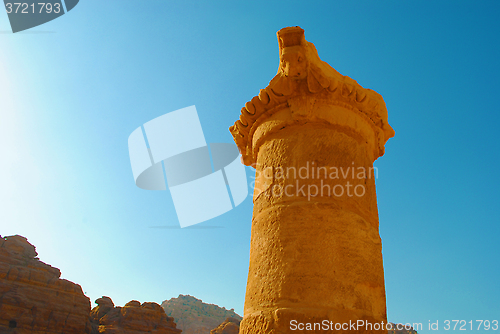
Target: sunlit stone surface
[{"x": 316, "y": 255}]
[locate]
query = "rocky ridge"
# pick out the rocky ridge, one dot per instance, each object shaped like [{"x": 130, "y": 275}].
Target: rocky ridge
[{"x": 195, "y": 317}]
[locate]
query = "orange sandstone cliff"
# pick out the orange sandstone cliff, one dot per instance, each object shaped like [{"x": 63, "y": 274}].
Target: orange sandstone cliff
[{"x": 33, "y": 299}]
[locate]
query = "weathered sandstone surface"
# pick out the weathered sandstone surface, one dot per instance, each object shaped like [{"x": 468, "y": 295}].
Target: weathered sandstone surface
[
  {"x": 229, "y": 326},
  {"x": 315, "y": 251},
  {"x": 133, "y": 318},
  {"x": 33, "y": 299},
  {"x": 195, "y": 317}
]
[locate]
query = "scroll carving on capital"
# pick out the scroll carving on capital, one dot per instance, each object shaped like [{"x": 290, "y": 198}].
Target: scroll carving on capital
[{"x": 302, "y": 72}]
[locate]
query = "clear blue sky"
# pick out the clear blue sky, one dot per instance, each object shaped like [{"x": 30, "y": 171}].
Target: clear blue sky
[{"x": 72, "y": 91}]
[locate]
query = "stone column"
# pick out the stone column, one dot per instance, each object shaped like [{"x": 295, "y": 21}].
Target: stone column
[{"x": 316, "y": 255}]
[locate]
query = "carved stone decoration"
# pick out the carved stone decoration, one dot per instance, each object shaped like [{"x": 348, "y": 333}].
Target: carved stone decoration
[
  {"x": 301, "y": 74},
  {"x": 315, "y": 255}
]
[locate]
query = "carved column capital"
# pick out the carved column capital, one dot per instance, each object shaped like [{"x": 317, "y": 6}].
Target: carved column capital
[{"x": 306, "y": 89}]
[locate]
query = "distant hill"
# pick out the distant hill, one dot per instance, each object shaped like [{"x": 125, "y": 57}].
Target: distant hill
[{"x": 194, "y": 316}]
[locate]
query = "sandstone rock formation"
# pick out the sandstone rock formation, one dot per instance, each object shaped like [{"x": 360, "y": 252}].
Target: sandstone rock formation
[
  {"x": 133, "y": 318},
  {"x": 315, "y": 252},
  {"x": 229, "y": 326},
  {"x": 33, "y": 300},
  {"x": 195, "y": 317}
]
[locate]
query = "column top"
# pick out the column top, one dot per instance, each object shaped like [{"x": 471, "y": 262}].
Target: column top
[{"x": 301, "y": 72}]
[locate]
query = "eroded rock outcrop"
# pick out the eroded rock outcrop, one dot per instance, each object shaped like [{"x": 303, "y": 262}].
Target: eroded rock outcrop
[
  {"x": 133, "y": 318},
  {"x": 229, "y": 326},
  {"x": 195, "y": 317},
  {"x": 32, "y": 297}
]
